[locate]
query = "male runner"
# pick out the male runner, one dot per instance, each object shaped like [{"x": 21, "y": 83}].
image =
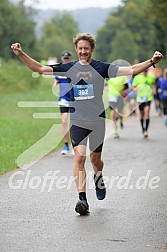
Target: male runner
[
  {"x": 87, "y": 81},
  {"x": 64, "y": 101}
]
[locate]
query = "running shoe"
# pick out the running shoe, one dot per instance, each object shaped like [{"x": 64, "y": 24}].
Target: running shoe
[
  {"x": 145, "y": 134},
  {"x": 65, "y": 150},
  {"x": 116, "y": 135},
  {"x": 82, "y": 207},
  {"x": 100, "y": 187}
]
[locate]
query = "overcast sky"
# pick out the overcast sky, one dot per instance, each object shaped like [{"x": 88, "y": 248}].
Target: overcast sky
[{"x": 72, "y": 4}]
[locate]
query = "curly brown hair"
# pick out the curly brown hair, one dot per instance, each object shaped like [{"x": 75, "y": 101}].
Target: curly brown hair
[{"x": 85, "y": 36}]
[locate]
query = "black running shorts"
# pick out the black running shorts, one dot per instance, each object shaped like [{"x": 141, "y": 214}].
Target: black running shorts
[
  {"x": 143, "y": 105},
  {"x": 64, "y": 109},
  {"x": 94, "y": 131}
]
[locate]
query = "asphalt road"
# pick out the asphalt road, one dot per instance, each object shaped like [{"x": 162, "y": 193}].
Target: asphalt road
[{"x": 37, "y": 205}]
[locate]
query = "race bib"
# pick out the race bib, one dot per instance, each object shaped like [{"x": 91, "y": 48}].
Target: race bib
[
  {"x": 143, "y": 98},
  {"x": 83, "y": 92},
  {"x": 113, "y": 99}
]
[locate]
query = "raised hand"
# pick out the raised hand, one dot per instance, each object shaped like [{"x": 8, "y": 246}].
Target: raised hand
[
  {"x": 16, "y": 47},
  {"x": 157, "y": 57}
]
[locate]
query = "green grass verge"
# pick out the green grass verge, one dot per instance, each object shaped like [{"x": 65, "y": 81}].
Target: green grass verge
[
  {"x": 24, "y": 139},
  {"x": 19, "y": 131}
]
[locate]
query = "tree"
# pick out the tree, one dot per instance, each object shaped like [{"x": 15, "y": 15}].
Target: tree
[
  {"x": 158, "y": 11},
  {"x": 57, "y": 35},
  {"x": 136, "y": 25},
  {"x": 122, "y": 45},
  {"x": 105, "y": 35},
  {"x": 135, "y": 15},
  {"x": 15, "y": 25}
]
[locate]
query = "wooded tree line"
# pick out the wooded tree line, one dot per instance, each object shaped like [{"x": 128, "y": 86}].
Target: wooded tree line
[
  {"x": 133, "y": 31},
  {"x": 17, "y": 25}
]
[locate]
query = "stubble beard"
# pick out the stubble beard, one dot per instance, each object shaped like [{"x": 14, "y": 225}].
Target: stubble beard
[{"x": 85, "y": 61}]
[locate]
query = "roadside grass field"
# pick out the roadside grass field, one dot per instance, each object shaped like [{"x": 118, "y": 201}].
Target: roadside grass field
[
  {"x": 23, "y": 138},
  {"x": 19, "y": 130}
]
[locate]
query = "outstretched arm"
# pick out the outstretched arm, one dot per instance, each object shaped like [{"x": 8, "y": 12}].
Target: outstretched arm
[
  {"x": 140, "y": 67},
  {"x": 30, "y": 62}
]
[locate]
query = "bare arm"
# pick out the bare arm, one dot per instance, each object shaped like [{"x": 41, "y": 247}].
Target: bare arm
[
  {"x": 140, "y": 67},
  {"x": 30, "y": 62}
]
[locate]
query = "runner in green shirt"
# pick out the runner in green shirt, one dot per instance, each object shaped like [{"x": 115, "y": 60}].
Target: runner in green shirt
[
  {"x": 116, "y": 87},
  {"x": 143, "y": 86}
]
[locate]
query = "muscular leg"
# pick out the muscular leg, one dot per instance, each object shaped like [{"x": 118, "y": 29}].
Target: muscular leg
[
  {"x": 142, "y": 119},
  {"x": 64, "y": 121},
  {"x": 113, "y": 121},
  {"x": 147, "y": 112},
  {"x": 95, "y": 158},
  {"x": 97, "y": 163},
  {"x": 112, "y": 117},
  {"x": 79, "y": 172},
  {"x": 120, "y": 106},
  {"x": 121, "y": 121},
  {"x": 147, "y": 118}
]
